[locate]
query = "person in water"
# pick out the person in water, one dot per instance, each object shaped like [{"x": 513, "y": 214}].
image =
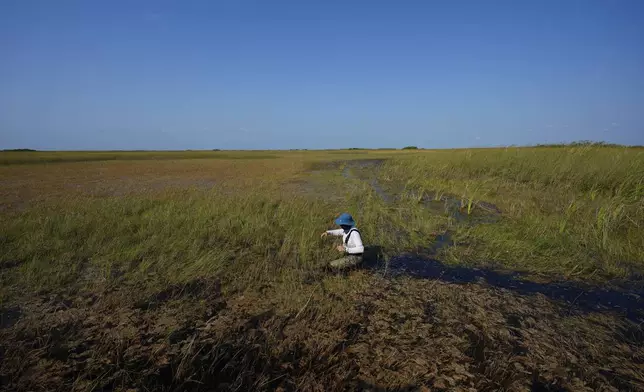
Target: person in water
[{"x": 351, "y": 242}]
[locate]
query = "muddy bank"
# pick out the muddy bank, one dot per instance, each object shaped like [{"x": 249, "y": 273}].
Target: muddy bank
[{"x": 372, "y": 333}]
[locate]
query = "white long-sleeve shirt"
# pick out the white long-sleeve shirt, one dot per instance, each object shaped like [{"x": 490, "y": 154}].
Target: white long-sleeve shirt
[{"x": 354, "y": 245}]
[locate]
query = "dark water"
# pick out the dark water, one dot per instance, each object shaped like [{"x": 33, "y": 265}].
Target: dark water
[
  {"x": 449, "y": 205},
  {"x": 9, "y": 316},
  {"x": 362, "y": 165},
  {"x": 625, "y": 298}
]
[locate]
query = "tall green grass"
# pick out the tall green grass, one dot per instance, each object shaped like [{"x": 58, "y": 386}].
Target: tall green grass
[
  {"x": 575, "y": 211},
  {"x": 170, "y": 239},
  {"x": 255, "y": 235}
]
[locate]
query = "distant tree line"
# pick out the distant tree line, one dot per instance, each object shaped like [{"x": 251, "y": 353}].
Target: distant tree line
[
  {"x": 383, "y": 148},
  {"x": 584, "y": 143},
  {"x": 19, "y": 150}
]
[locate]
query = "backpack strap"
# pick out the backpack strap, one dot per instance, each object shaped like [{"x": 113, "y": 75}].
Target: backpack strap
[{"x": 346, "y": 240}]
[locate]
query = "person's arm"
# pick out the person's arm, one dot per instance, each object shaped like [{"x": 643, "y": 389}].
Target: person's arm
[
  {"x": 336, "y": 232},
  {"x": 354, "y": 245}
]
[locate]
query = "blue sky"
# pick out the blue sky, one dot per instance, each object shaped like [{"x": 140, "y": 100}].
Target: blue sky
[{"x": 276, "y": 74}]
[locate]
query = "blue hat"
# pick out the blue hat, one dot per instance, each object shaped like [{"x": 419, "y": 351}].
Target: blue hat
[{"x": 345, "y": 220}]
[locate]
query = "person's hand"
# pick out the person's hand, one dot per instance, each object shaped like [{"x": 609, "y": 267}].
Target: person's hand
[
  {"x": 324, "y": 234},
  {"x": 340, "y": 248}
]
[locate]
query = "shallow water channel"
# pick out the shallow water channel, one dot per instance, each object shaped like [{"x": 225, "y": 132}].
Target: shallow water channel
[{"x": 623, "y": 298}]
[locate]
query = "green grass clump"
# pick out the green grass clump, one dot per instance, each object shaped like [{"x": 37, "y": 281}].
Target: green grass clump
[{"x": 577, "y": 211}]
